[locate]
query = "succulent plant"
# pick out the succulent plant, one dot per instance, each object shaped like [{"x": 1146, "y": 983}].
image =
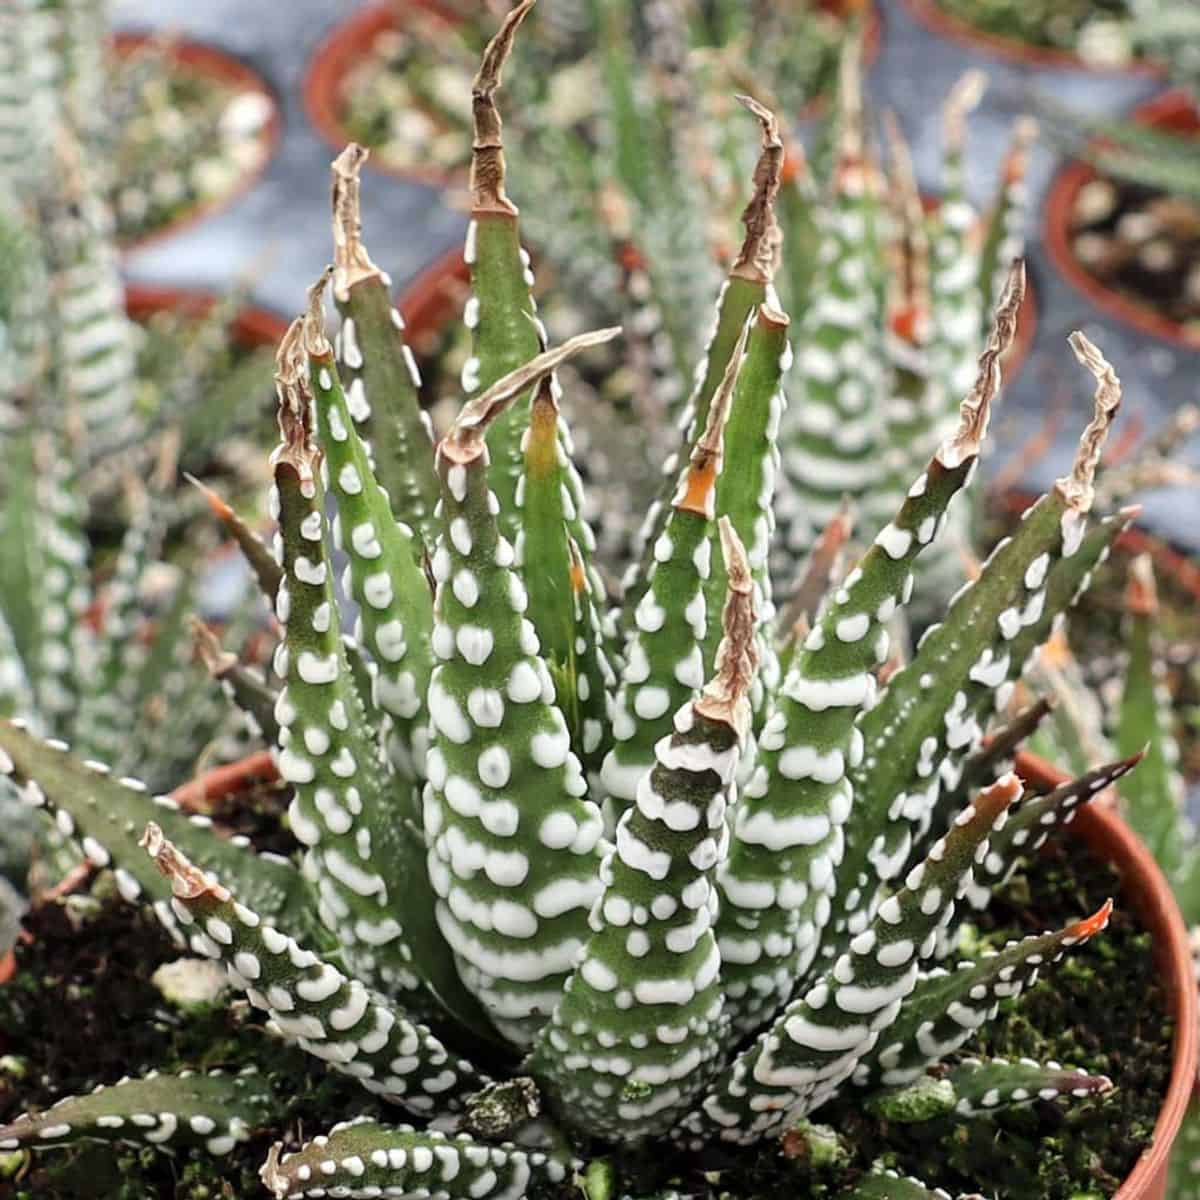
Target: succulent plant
[
  {"x": 94, "y": 640},
  {"x": 577, "y": 879}
]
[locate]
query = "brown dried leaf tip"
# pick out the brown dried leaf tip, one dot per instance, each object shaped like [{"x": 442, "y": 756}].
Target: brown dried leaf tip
[
  {"x": 697, "y": 491},
  {"x": 304, "y": 337},
  {"x": 216, "y": 503},
  {"x": 188, "y": 882},
  {"x": 964, "y": 97},
  {"x": 465, "y": 442},
  {"x": 976, "y": 408},
  {"x": 1141, "y": 591},
  {"x": 726, "y": 696},
  {"x": 759, "y": 256},
  {"x": 216, "y": 659},
  {"x": 1078, "y": 488},
  {"x": 911, "y": 300},
  {"x": 351, "y": 261},
  {"x": 487, "y": 158}
]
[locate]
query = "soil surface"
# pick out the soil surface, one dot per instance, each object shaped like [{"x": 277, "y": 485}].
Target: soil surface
[
  {"x": 1102, "y": 1009},
  {"x": 1143, "y": 244}
]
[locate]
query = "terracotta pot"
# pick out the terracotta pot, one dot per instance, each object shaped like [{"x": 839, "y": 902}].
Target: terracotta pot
[
  {"x": 434, "y": 299},
  {"x": 252, "y": 327},
  {"x": 937, "y": 20},
  {"x": 1173, "y": 111},
  {"x": 1106, "y": 836},
  {"x": 344, "y": 48},
  {"x": 221, "y": 67},
  {"x": 1169, "y": 562},
  {"x": 227, "y": 780},
  {"x": 1148, "y": 894},
  {"x": 349, "y": 44}
]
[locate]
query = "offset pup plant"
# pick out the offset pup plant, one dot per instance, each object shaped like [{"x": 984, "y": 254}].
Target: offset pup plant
[{"x": 565, "y": 895}]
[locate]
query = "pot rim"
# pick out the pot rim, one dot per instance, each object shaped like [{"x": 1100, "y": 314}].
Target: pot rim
[
  {"x": 252, "y": 325},
  {"x": 218, "y": 64},
  {"x": 1105, "y": 833},
  {"x": 345, "y": 43},
  {"x": 937, "y": 20},
  {"x": 1149, "y": 895},
  {"x": 1060, "y": 201},
  {"x": 1170, "y": 560}
]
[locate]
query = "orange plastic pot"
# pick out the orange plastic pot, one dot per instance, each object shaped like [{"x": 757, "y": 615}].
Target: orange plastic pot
[
  {"x": 222, "y": 68},
  {"x": 937, "y": 20},
  {"x": 346, "y": 47},
  {"x": 252, "y": 327},
  {"x": 1174, "y": 112},
  {"x": 1147, "y": 893},
  {"x": 434, "y": 299},
  {"x": 1169, "y": 562},
  {"x": 350, "y": 43}
]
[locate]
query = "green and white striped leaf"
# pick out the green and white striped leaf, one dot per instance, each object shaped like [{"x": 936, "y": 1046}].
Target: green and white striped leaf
[{"x": 213, "y": 1110}]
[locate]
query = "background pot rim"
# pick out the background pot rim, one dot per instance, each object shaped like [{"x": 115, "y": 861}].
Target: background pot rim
[
  {"x": 252, "y": 325},
  {"x": 345, "y": 44},
  {"x": 1149, "y": 895},
  {"x": 936, "y": 19},
  {"x": 215, "y": 63},
  {"x": 1059, "y": 206}
]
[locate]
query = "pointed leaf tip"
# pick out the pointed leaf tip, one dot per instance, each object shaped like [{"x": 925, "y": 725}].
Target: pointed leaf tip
[
  {"x": 1141, "y": 590},
  {"x": 1078, "y": 488},
  {"x": 726, "y": 696},
  {"x": 1086, "y": 929},
  {"x": 464, "y": 443},
  {"x": 351, "y": 261},
  {"x": 975, "y": 410},
  {"x": 187, "y": 880},
  {"x": 994, "y": 800},
  {"x": 216, "y": 503},
  {"x": 487, "y": 157},
  {"x": 964, "y": 97},
  {"x": 758, "y": 258},
  {"x": 315, "y": 342}
]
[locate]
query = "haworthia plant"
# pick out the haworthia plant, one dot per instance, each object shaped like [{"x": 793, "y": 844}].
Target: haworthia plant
[{"x": 550, "y": 928}]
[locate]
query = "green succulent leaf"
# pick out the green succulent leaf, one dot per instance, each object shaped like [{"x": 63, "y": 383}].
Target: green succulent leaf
[
  {"x": 926, "y": 714},
  {"x": 947, "y": 1007},
  {"x": 1153, "y": 798},
  {"x": 327, "y": 1014},
  {"x": 214, "y": 1111},
  {"x": 514, "y": 841},
  {"x": 400, "y": 1160},
  {"x": 653, "y": 923},
  {"x": 818, "y": 1040},
  {"x": 381, "y": 377},
  {"x": 986, "y": 1085},
  {"x": 107, "y": 816},
  {"x": 779, "y": 881},
  {"x": 385, "y": 576}
]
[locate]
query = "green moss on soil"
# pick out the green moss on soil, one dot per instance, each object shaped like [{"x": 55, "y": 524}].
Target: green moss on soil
[{"x": 82, "y": 1011}]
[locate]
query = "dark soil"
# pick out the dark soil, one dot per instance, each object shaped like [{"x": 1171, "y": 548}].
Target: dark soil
[
  {"x": 82, "y": 1011},
  {"x": 1143, "y": 244},
  {"x": 1102, "y": 1008}
]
